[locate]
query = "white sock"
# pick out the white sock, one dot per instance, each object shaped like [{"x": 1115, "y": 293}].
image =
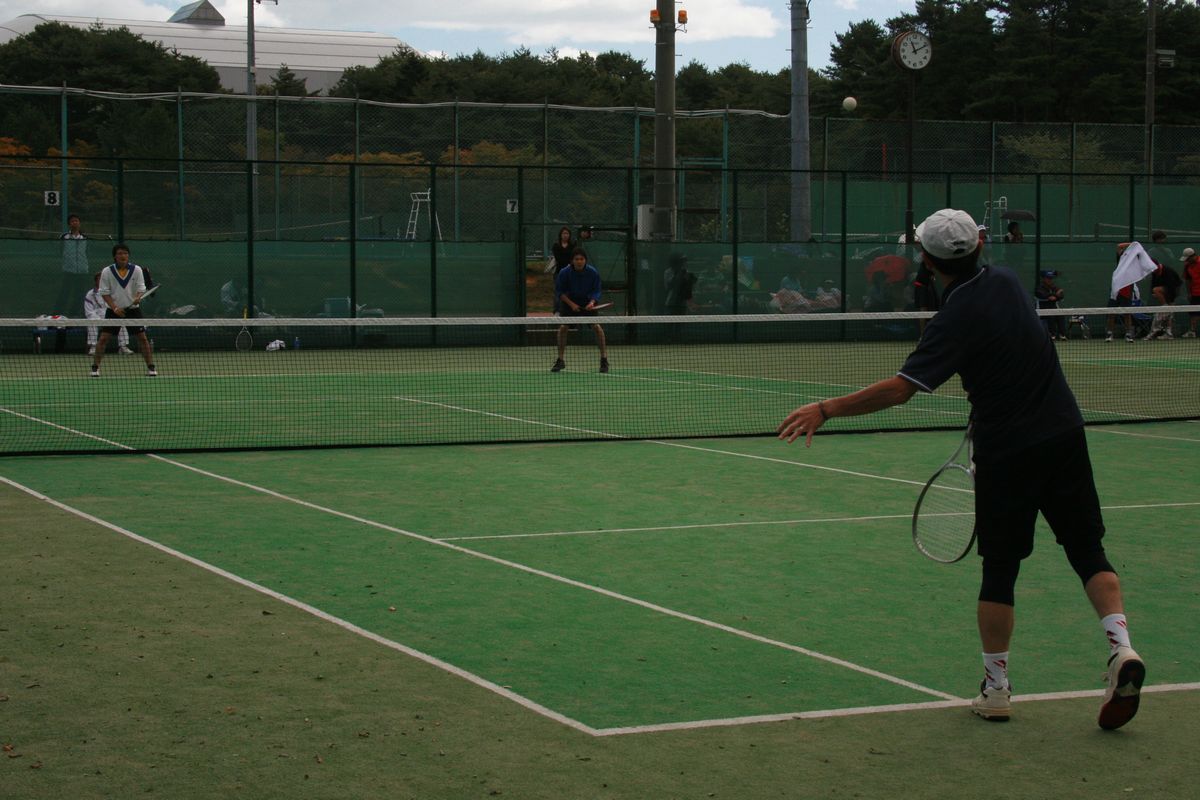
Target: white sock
[
  {"x": 1117, "y": 631},
  {"x": 995, "y": 670}
]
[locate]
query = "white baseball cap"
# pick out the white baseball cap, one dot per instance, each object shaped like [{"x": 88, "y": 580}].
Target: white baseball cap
[
  {"x": 1187, "y": 253},
  {"x": 948, "y": 234}
]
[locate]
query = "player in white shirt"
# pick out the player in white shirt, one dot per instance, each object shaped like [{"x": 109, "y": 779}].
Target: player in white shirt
[
  {"x": 122, "y": 285},
  {"x": 93, "y": 308}
]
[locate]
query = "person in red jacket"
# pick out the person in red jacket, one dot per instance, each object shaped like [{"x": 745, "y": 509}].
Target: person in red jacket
[{"x": 1191, "y": 278}]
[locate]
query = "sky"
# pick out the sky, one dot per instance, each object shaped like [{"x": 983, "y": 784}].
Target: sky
[{"x": 719, "y": 32}]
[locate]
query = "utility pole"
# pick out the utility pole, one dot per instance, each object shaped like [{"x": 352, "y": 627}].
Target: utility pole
[
  {"x": 663, "y": 20},
  {"x": 1151, "y": 63},
  {"x": 801, "y": 216}
]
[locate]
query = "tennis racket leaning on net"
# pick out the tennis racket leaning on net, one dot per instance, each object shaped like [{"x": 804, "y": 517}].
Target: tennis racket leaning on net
[
  {"x": 943, "y": 525},
  {"x": 145, "y": 294},
  {"x": 244, "y": 340}
]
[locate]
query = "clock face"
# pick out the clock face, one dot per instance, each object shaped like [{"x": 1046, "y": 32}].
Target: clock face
[{"x": 913, "y": 50}]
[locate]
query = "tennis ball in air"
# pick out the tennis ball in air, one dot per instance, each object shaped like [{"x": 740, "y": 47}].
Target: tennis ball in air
[{"x": 849, "y": 104}]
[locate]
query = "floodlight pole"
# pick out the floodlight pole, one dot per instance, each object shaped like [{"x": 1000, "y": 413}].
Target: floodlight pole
[{"x": 664, "y": 121}]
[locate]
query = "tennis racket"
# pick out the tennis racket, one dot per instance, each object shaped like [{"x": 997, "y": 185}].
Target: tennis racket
[
  {"x": 146, "y": 294},
  {"x": 244, "y": 340},
  {"x": 599, "y": 307},
  {"x": 943, "y": 525}
]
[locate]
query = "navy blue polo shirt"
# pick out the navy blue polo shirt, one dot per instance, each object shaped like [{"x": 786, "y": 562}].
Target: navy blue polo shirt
[
  {"x": 581, "y": 287},
  {"x": 988, "y": 332}
]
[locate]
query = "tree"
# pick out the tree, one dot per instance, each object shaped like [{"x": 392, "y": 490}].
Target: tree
[
  {"x": 288, "y": 84},
  {"x": 112, "y": 60},
  {"x": 106, "y": 59}
]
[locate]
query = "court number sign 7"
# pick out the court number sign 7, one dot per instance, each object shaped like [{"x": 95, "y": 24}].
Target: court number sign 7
[{"x": 52, "y": 198}]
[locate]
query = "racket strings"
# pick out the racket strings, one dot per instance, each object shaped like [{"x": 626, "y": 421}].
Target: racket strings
[{"x": 945, "y": 524}]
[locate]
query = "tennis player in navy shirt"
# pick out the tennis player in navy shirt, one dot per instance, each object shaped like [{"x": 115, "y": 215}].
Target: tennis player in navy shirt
[
  {"x": 1030, "y": 451},
  {"x": 578, "y": 290}
]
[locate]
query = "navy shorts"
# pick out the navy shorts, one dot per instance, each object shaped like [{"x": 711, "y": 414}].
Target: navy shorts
[
  {"x": 1194, "y": 300},
  {"x": 1053, "y": 477},
  {"x": 130, "y": 313}
]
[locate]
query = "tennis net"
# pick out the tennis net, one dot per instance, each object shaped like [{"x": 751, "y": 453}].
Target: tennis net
[{"x": 398, "y": 381}]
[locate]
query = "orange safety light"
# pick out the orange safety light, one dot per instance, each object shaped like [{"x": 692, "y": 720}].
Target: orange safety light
[
  {"x": 655, "y": 17},
  {"x": 682, "y": 17}
]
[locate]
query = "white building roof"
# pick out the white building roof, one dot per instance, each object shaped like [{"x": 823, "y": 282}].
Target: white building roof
[{"x": 318, "y": 56}]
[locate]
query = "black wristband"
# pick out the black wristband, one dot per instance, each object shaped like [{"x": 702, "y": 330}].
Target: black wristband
[{"x": 821, "y": 411}]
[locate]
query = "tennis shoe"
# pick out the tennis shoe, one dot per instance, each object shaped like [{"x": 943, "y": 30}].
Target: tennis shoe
[
  {"x": 91, "y": 351},
  {"x": 992, "y": 704},
  {"x": 95, "y": 371},
  {"x": 125, "y": 351},
  {"x": 151, "y": 372},
  {"x": 1108, "y": 337},
  {"x": 1126, "y": 674},
  {"x": 559, "y": 366},
  {"x": 1129, "y": 337},
  {"x": 1189, "y": 335},
  {"x": 604, "y": 365}
]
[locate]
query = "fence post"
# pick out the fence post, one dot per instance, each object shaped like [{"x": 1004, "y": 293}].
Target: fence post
[
  {"x": 845, "y": 220},
  {"x": 736, "y": 232},
  {"x": 64, "y": 142},
  {"x": 250, "y": 239},
  {"x": 433, "y": 242},
  {"x": 353, "y": 240},
  {"x": 1037, "y": 231},
  {"x": 1132, "y": 203},
  {"x": 522, "y": 301},
  {"x": 278, "y": 181},
  {"x": 457, "y": 195},
  {"x": 179, "y": 150},
  {"x": 120, "y": 209},
  {"x": 725, "y": 175},
  {"x": 249, "y": 310}
]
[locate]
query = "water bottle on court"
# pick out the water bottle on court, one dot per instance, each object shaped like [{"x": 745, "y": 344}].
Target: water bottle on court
[{"x": 296, "y": 343}]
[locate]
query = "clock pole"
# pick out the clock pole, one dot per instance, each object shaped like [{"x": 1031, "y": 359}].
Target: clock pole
[
  {"x": 911, "y": 51},
  {"x": 908, "y": 157}
]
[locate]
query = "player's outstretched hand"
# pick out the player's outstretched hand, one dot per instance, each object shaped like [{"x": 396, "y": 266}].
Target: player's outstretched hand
[{"x": 804, "y": 421}]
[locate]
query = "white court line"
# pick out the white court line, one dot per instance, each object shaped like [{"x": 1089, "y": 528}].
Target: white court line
[
  {"x": 672, "y": 444},
  {"x": 948, "y": 700},
  {"x": 796, "y": 464},
  {"x": 470, "y": 677},
  {"x": 742, "y": 523},
  {"x": 548, "y": 575},
  {"x": 507, "y": 417},
  {"x": 797, "y": 393},
  {"x": 756, "y": 523},
  {"x": 1105, "y": 429},
  {"x": 864, "y": 710}
]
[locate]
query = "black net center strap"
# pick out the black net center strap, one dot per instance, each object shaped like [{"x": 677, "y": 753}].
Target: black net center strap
[{"x": 283, "y": 383}]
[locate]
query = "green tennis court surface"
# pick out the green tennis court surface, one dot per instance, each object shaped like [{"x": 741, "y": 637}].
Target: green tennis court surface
[
  {"x": 626, "y": 619},
  {"x": 647, "y": 583},
  {"x": 224, "y": 399}
]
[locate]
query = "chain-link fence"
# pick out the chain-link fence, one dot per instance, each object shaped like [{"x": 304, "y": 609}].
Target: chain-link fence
[
  {"x": 346, "y": 238},
  {"x": 361, "y": 207}
]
